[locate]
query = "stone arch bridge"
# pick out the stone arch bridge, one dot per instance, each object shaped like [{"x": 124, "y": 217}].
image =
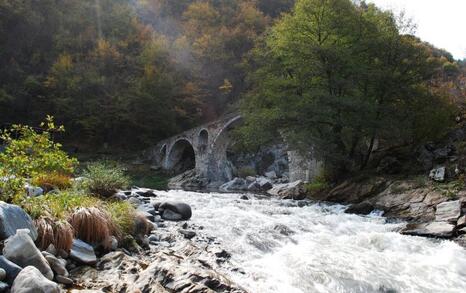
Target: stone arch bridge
[{"x": 204, "y": 149}]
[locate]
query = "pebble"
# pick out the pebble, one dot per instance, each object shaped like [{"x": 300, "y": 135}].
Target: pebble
[{"x": 187, "y": 233}]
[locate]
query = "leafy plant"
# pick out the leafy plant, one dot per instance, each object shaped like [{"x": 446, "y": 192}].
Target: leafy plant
[
  {"x": 30, "y": 152},
  {"x": 105, "y": 177},
  {"x": 319, "y": 184},
  {"x": 49, "y": 181}
]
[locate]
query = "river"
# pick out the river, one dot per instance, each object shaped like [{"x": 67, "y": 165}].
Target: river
[{"x": 289, "y": 247}]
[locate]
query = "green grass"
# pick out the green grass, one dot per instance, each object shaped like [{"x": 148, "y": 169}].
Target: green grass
[{"x": 143, "y": 176}]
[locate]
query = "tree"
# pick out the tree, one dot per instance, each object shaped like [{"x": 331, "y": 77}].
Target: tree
[{"x": 336, "y": 77}]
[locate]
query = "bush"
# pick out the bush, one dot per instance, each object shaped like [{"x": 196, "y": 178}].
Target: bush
[
  {"x": 34, "y": 152},
  {"x": 105, "y": 178},
  {"x": 29, "y": 153},
  {"x": 49, "y": 181},
  {"x": 319, "y": 184}
]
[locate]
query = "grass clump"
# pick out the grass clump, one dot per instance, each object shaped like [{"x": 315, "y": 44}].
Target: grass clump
[
  {"x": 59, "y": 233},
  {"x": 104, "y": 178},
  {"x": 122, "y": 214},
  {"x": 92, "y": 225}
]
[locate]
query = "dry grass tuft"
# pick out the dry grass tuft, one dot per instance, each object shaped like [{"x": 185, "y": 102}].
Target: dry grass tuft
[
  {"x": 58, "y": 233},
  {"x": 91, "y": 225}
]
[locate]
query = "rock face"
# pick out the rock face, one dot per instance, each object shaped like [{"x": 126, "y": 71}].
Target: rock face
[
  {"x": 30, "y": 280},
  {"x": 11, "y": 269},
  {"x": 21, "y": 250},
  {"x": 448, "y": 211},
  {"x": 83, "y": 252},
  {"x": 438, "y": 174},
  {"x": 175, "y": 211},
  {"x": 12, "y": 218},
  {"x": 363, "y": 208},
  {"x": 237, "y": 184},
  {"x": 294, "y": 190}
]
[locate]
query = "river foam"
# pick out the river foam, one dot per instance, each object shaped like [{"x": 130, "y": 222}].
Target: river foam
[{"x": 285, "y": 247}]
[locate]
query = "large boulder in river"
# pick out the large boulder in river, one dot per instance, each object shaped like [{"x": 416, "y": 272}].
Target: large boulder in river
[
  {"x": 12, "y": 218},
  {"x": 21, "y": 250},
  {"x": 30, "y": 280},
  {"x": 175, "y": 211},
  {"x": 434, "y": 229},
  {"x": 294, "y": 190}
]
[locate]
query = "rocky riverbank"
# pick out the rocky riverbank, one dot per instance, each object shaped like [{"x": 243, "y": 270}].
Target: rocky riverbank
[{"x": 174, "y": 256}]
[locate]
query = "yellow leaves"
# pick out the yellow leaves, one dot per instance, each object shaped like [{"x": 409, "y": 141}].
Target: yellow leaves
[
  {"x": 226, "y": 87},
  {"x": 105, "y": 50}
]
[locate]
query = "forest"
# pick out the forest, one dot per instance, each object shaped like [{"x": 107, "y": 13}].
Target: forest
[
  {"x": 115, "y": 71},
  {"x": 126, "y": 73}
]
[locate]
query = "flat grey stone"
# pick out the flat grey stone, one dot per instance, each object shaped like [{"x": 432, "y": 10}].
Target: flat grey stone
[
  {"x": 448, "y": 211},
  {"x": 83, "y": 252}
]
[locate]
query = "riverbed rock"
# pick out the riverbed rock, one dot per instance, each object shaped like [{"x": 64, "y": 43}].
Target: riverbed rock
[
  {"x": 363, "y": 208},
  {"x": 58, "y": 265},
  {"x": 236, "y": 184},
  {"x": 433, "y": 229},
  {"x": 30, "y": 280},
  {"x": 12, "y": 218},
  {"x": 294, "y": 190},
  {"x": 448, "y": 211},
  {"x": 11, "y": 269},
  {"x": 21, "y": 250},
  {"x": 4, "y": 287},
  {"x": 83, "y": 252},
  {"x": 438, "y": 174},
  {"x": 175, "y": 211},
  {"x": 461, "y": 222}
]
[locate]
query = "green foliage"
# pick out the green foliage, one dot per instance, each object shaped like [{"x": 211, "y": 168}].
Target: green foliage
[
  {"x": 339, "y": 83},
  {"x": 319, "y": 184},
  {"x": 246, "y": 171},
  {"x": 105, "y": 177},
  {"x": 122, "y": 214},
  {"x": 57, "y": 205},
  {"x": 29, "y": 153}
]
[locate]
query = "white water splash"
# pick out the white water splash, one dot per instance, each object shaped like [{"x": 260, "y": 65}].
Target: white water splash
[{"x": 285, "y": 248}]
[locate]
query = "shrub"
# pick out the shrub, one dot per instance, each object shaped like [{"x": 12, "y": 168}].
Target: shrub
[
  {"x": 59, "y": 233},
  {"x": 318, "y": 185},
  {"x": 246, "y": 171},
  {"x": 29, "y": 152},
  {"x": 10, "y": 186},
  {"x": 105, "y": 178},
  {"x": 91, "y": 225},
  {"x": 49, "y": 181}
]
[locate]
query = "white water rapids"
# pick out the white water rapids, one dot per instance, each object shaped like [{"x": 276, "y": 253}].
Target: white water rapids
[{"x": 285, "y": 248}]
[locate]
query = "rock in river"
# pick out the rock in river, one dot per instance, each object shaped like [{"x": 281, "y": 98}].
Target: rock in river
[
  {"x": 448, "y": 211},
  {"x": 30, "y": 280},
  {"x": 175, "y": 211},
  {"x": 294, "y": 190}
]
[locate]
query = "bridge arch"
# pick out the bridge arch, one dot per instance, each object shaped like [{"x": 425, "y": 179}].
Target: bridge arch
[
  {"x": 203, "y": 140},
  {"x": 181, "y": 156}
]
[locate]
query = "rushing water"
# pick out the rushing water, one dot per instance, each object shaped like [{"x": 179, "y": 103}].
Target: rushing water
[{"x": 285, "y": 248}]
